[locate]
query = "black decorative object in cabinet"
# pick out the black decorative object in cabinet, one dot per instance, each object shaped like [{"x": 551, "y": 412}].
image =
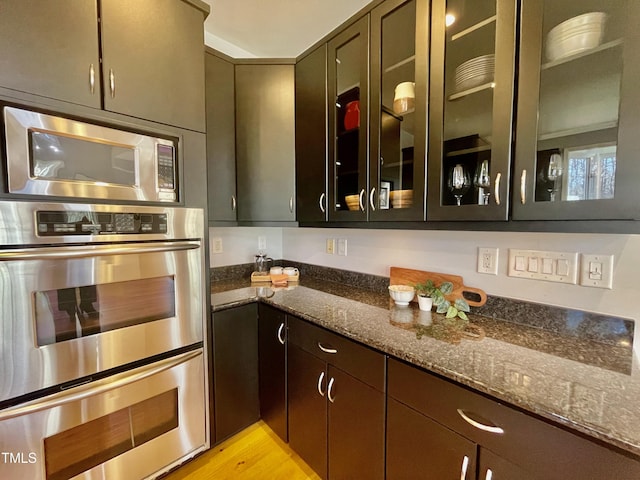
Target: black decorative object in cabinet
[
  {"x": 578, "y": 111},
  {"x": 471, "y": 103}
]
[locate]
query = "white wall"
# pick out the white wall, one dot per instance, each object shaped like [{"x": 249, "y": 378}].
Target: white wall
[{"x": 374, "y": 251}]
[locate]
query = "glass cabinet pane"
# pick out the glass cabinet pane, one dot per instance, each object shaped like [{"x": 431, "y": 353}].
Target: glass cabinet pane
[
  {"x": 471, "y": 109},
  {"x": 348, "y": 87},
  {"x": 399, "y": 45},
  {"x": 572, "y": 92}
]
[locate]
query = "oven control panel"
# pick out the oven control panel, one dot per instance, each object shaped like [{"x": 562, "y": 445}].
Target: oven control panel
[{"x": 56, "y": 223}]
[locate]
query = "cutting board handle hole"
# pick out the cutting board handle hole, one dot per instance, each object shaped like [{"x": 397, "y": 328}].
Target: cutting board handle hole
[{"x": 472, "y": 296}]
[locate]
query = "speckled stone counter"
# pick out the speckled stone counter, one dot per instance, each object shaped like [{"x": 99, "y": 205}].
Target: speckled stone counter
[{"x": 589, "y": 386}]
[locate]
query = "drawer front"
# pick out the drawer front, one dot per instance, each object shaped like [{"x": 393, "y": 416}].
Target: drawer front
[
  {"x": 362, "y": 362},
  {"x": 521, "y": 438}
]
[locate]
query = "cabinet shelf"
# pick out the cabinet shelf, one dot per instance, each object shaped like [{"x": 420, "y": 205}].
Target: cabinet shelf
[
  {"x": 399, "y": 64},
  {"x": 473, "y": 28},
  {"x": 603, "y": 47},
  {"x": 470, "y": 91},
  {"x": 578, "y": 130},
  {"x": 466, "y": 151}
]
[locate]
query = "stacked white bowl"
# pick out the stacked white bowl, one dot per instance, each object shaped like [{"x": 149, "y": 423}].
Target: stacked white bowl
[
  {"x": 575, "y": 35},
  {"x": 475, "y": 72}
]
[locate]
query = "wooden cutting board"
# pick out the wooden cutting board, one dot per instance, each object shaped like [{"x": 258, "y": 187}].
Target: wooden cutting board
[{"x": 406, "y": 276}]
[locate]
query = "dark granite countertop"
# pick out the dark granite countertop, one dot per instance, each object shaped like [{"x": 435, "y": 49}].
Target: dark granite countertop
[{"x": 588, "y": 386}]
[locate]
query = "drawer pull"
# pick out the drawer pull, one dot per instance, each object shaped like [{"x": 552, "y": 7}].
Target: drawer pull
[
  {"x": 496, "y": 191},
  {"x": 360, "y": 201},
  {"x": 481, "y": 426},
  {"x": 280, "y": 329},
  {"x": 373, "y": 192},
  {"x": 489, "y": 474},
  {"x": 320, "y": 379},
  {"x": 327, "y": 349},
  {"x": 321, "y": 202},
  {"x": 465, "y": 466},
  {"x": 329, "y": 389}
]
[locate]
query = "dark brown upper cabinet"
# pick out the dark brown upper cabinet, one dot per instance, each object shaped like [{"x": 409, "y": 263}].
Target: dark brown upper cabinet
[
  {"x": 473, "y": 47},
  {"x": 145, "y": 60},
  {"x": 578, "y": 111},
  {"x": 399, "y": 77},
  {"x": 348, "y": 141}
]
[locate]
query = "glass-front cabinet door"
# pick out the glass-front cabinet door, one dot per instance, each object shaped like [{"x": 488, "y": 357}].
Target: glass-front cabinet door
[
  {"x": 578, "y": 125},
  {"x": 348, "y": 92},
  {"x": 471, "y": 105},
  {"x": 399, "y": 68}
]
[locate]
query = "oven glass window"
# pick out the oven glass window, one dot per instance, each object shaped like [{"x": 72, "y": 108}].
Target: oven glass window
[
  {"x": 60, "y": 157},
  {"x": 78, "y": 449},
  {"x": 68, "y": 313}
]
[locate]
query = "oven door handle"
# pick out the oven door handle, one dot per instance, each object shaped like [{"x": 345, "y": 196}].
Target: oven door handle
[
  {"x": 83, "y": 251},
  {"x": 91, "y": 389}
]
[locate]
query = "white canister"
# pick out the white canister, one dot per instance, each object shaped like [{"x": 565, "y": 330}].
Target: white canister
[
  {"x": 275, "y": 270},
  {"x": 404, "y": 97}
]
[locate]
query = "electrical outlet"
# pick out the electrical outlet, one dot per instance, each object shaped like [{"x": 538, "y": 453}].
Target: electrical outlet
[
  {"x": 342, "y": 246},
  {"x": 262, "y": 243},
  {"x": 596, "y": 271},
  {"x": 488, "y": 260},
  {"x": 331, "y": 246},
  {"x": 216, "y": 245}
]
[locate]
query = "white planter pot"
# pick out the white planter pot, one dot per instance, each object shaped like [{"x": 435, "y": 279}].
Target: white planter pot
[{"x": 425, "y": 303}]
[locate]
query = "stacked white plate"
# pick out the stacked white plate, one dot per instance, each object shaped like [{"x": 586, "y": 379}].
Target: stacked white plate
[
  {"x": 575, "y": 35},
  {"x": 475, "y": 72}
]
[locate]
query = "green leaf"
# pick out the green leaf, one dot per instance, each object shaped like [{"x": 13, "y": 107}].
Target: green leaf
[
  {"x": 461, "y": 304},
  {"x": 438, "y": 300},
  {"x": 446, "y": 288},
  {"x": 452, "y": 312},
  {"x": 443, "y": 307},
  {"x": 462, "y": 315}
]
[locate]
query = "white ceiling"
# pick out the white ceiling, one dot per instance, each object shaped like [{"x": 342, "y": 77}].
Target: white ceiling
[{"x": 273, "y": 28}]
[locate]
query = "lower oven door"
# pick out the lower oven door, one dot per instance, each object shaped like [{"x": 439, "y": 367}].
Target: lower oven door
[
  {"x": 133, "y": 425},
  {"x": 68, "y": 312}
]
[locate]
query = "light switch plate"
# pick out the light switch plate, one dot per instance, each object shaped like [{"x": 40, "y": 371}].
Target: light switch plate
[
  {"x": 342, "y": 246},
  {"x": 542, "y": 265},
  {"x": 596, "y": 271}
]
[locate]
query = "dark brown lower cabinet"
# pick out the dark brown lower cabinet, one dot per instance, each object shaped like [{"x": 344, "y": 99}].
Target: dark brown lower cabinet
[
  {"x": 434, "y": 424},
  {"x": 336, "y": 420},
  {"x": 272, "y": 350},
  {"x": 235, "y": 370}
]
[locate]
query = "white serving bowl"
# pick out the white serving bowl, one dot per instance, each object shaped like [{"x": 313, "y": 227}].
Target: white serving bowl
[
  {"x": 402, "y": 294},
  {"x": 575, "y": 35}
]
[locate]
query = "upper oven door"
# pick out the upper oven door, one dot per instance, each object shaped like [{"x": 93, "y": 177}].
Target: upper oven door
[
  {"x": 55, "y": 156},
  {"x": 70, "y": 311}
]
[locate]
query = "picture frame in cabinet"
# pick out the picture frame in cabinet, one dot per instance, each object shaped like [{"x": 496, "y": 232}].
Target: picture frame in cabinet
[{"x": 385, "y": 188}]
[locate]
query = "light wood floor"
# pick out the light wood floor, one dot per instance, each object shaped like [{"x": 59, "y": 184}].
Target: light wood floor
[{"x": 254, "y": 453}]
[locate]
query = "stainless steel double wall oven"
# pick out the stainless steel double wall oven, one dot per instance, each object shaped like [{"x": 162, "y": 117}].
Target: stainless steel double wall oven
[{"x": 102, "y": 306}]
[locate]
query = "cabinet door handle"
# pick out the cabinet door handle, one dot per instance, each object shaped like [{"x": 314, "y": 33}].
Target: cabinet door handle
[
  {"x": 112, "y": 83},
  {"x": 327, "y": 349},
  {"x": 320, "y": 380},
  {"x": 523, "y": 187},
  {"x": 373, "y": 191},
  {"x": 234, "y": 203},
  {"x": 321, "y": 202},
  {"x": 496, "y": 188},
  {"x": 92, "y": 79},
  {"x": 360, "y": 201},
  {"x": 329, "y": 389},
  {"x": 489, "y": 474},
  {"x": 280, "y": 330},
  {"x": 291, "y": 204},
  {"x": 481, "y": 426},
  {"x": 465, "y": 466}
]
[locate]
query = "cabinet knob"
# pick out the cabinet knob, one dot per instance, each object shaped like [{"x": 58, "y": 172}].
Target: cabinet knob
[
  {"x": 92, "y": 79},
  {"x": 373, "y": 191},
  {"x": 496, "y": 188},
  {"x": 523, "y": 187},
  {"x": 280, "y": 330},
  {"x": 321, "y": 202},
  {"x": 478, "y": 425},
  {"x": 320, "y": 380},
  {"x": 330, "y": 390},
  {"x": 360, "y": 199}
]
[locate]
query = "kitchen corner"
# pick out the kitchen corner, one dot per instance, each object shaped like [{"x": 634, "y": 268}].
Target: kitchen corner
[{"x": 585, "y": 382}]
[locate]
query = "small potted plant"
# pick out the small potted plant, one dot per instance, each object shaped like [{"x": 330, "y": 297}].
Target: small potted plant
[{"x": 429, "y": 294}]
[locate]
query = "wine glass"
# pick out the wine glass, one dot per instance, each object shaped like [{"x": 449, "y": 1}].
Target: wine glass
[
  {"x": 482, "y": 180},
  {"x": 554, "y": 172},
  {"x": 458, "y": 182}
]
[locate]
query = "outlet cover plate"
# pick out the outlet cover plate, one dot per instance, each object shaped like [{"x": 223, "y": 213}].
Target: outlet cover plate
[
  {"x": 488, "y": 260},
  {"x": 596, "y": 271}
]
